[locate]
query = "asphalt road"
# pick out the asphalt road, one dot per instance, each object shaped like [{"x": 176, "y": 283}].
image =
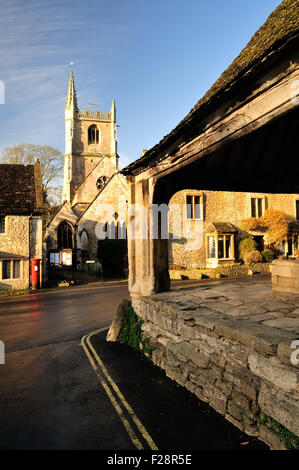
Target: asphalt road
[{"x": 49, "y": 394}]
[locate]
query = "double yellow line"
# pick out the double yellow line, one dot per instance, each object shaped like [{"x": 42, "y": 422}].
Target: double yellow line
[{"x": 135, "y": 429}]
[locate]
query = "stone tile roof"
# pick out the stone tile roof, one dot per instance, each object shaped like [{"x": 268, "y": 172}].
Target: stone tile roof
[
  {"x": 221, "y": 227},
  {"x": 280, "y": 29},
  {"x": 20, "y": 189}
]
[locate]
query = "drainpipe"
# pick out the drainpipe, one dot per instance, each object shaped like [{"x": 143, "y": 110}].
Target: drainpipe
[
  {"x": 75, "y": 253},
  {"x": 29, "y": 250}
]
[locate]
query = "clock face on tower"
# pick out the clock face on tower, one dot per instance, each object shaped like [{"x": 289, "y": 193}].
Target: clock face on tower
[{"x": 101, "y": 181}]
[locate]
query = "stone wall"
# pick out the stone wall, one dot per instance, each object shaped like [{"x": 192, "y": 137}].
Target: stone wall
[
  {"x": 241, "y": 368},
  {"x": 13, "y": 243},
  {"x": 236, "y": 270}
]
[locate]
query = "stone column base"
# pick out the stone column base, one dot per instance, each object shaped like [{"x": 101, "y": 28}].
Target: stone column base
[{"x": 285, "y": 275}]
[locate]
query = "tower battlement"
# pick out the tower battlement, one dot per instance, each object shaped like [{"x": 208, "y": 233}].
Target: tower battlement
[{"x": 94, "y": 115}]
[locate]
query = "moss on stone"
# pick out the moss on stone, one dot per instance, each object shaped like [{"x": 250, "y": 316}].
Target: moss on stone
[{"x": 131, "y": 332}]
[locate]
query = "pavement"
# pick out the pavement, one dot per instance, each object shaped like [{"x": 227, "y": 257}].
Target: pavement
[
  {"x": 54, "y": 387},
  {"x": 169, "y": 417}
]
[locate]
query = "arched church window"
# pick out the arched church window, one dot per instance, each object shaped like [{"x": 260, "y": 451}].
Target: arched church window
[
  {"x": 101, "y": 182},
  {"x": 84, "y": 239},
  {"x": 64, "y": 236},
  {"x": 93, "y": 134}
]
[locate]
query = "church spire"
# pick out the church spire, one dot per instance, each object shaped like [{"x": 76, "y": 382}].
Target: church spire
[{"x": 71, "y": 99}]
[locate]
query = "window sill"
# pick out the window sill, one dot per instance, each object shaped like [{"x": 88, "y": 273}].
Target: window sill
[
  {"x": 221, "y": 259},
  {"x": 194, "y": 220}
]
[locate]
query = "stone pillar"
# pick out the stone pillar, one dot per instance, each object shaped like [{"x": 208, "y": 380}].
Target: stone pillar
[
  {"x": 285, "y": 276},
  {"x": 147, "y": 257}
]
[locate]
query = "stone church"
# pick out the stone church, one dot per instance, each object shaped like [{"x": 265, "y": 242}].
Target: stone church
[
  {"x": 87, "y": 235},
  {"x": 86, "y": 238}
]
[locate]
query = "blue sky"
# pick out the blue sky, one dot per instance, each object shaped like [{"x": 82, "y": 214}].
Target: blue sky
[{"x": 156, "y": 58}]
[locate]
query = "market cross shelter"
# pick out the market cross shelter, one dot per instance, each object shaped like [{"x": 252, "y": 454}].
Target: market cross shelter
[
  {"x": 242, "y": 136},
  {"x": 229, "y": 343}
]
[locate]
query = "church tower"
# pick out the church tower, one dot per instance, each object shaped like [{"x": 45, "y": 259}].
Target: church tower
[{"x": 90, "y": 145}]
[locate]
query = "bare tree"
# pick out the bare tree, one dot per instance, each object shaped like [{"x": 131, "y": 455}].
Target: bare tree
[{"x": 51, "y": 164}]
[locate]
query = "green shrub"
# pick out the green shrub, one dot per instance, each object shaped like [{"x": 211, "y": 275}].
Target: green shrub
[
  {"x": 267, "y": 255},
  {"x": 131, "y": 333},
  {"x": 246, "y": 246},
  {"x": 253, "y": 257}
]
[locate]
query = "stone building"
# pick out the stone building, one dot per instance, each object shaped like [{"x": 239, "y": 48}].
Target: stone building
[
  {"x": 21, "y": 205},
  {"x": 94, "y": 198},
  {"x": 208, "y": 230}
]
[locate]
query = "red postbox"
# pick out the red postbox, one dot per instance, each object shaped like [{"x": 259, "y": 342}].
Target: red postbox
[{"x": 35, "y": 273}]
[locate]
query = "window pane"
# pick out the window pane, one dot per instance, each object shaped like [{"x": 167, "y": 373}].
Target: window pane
[
  {"x": 260, "y": 207},
  {"x": 253, "y": 209},
  {"x": 197, "y": 207},
  {"x": 228, "y": 246},
  {"x": 16, "y": 269},
  {"x": 189, "y": 207},
  {"x": 211, "y": 247},
  {"x": 290, "y": 246},
  {"x": 2, "y": 224},
  {"x": 6, "y": 269},
  {"x": 221, "y": 247},
  {"x": 297, "y": 210}
]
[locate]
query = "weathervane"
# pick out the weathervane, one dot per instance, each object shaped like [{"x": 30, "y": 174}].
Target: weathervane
[{"x": 93, "y": 105}]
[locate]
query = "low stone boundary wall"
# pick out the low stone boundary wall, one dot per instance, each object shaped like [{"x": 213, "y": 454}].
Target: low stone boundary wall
[
  {"x": 241, "y": 368},
  {"x": 235, "y": 270}
]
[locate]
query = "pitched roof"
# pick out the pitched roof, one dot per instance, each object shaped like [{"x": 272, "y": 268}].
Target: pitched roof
[
  {"x": 20, "y": 189},
  {"x": 221, "y": 227},
  {"x": 87, "y": 176},
  {"x": 280, "y": 29},
  {"x": 281, "y": 25},
  {"x": 113, "y": 177},
  {"x": 65, "y": 203}
]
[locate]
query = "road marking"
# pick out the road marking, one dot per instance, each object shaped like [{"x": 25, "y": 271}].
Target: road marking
[
  {"x": 98, "y": 368},
  {"x": 118, "y": 409},
  {"x": 136, "y": 420}
]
